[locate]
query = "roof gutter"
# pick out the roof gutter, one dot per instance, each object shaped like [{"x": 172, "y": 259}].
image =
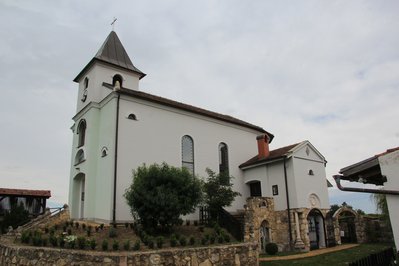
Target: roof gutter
[{"x": 337, "y": 179}]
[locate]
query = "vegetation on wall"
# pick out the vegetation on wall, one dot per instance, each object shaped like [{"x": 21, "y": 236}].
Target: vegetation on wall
[{"x": 160, "y": 194}]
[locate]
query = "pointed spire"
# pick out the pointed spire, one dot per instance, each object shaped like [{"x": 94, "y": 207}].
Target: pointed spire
[{"x": 113, "y": 52}]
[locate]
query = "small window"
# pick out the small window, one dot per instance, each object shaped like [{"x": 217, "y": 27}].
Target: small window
[
  {"x": 86, "y": 83},
  {"x": 132, "y": 117},
  {"x": 311, "y": 172},
  {"x": 187, "y": 153},
  {"x": 104, "y": 152},
  {"x": 116, "y": 78},
  {"x": 275, "y": 190},
  {"x": 80, "y": 157},
  {"x": 82, "y": 133},
  {"x": 255, "y": 189}
]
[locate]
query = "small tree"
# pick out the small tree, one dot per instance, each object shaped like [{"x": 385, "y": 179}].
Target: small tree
[
  {"x": 218, "y": 192},
  {"x": 15, "y": 217},
  {"x": 160, "y": 194}
]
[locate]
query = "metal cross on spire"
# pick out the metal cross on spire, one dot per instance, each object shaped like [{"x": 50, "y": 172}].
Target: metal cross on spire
[{"x": 113, "y": 23}]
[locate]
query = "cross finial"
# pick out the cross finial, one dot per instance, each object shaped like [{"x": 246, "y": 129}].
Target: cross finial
[{"x": 113, "y": 23}]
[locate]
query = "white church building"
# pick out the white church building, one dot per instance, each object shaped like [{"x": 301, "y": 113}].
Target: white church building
[{"x": 118, "y": 127}]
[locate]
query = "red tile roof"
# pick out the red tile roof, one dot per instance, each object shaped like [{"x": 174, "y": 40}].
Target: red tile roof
[
  {"x": 274, "y": 154},
  {"x": 24, "y": 192}
]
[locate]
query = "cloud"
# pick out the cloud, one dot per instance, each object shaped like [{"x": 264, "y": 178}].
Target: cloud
[{"x": 322, "y": 71}]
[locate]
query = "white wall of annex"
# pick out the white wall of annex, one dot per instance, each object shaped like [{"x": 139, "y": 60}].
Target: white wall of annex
[
  {"x": 156, "y": 137},
  {"x": 389, "y": 164},
  {"x": 306, "y": 184}
]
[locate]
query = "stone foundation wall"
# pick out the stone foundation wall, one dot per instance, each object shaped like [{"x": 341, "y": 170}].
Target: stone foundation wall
[{"x": 235, "y": 254}]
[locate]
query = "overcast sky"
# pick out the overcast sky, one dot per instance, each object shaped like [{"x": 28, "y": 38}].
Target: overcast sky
[{"x": 323, "y": 71}]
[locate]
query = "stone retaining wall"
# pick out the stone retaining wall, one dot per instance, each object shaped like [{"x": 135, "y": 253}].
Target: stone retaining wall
[{"x": 234, "y": 254}]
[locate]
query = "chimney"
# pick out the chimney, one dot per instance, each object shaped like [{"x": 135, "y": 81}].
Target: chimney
[{"x": 263, "y": 146}]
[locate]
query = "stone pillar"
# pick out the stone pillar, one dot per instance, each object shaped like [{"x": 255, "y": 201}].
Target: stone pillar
[{"x": 299, "y": 245}]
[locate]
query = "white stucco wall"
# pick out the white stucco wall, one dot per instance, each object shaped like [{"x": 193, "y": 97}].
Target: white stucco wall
[
  {"x": 306, "y": 184},
  {"x": 156, "y": 138},
  {"x": 389, "y": 164}
]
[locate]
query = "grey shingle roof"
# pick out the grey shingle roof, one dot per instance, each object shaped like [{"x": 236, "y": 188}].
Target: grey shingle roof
[{"x": 112, "y": 52}]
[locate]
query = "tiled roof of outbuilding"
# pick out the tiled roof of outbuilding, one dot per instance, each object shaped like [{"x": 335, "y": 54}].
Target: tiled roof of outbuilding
[
  {"x": 274, "y": 154},
  {"x": 25, "y": 192}
]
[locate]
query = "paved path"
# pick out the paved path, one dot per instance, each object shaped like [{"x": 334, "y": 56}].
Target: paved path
[{"x": 310, "y": 253}]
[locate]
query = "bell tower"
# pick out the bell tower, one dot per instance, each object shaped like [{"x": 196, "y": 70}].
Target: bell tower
[{"x": 110, "y": 64}]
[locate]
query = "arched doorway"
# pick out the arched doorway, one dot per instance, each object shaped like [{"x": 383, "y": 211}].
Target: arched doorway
[
  {"x": 78, "y": 200},
  {"x": 264, "y": 235},
  {"x": 347, "y": 227},
  {"x": 317, "y": 237}
]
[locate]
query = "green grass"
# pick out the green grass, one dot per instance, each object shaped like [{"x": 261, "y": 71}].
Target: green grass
[{"x": 337, "y": 258}]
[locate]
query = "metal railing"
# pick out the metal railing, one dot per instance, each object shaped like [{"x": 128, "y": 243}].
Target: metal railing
[{"x": 383, "y": 258}]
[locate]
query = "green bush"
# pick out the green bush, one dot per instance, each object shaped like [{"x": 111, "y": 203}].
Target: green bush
[
  {"x": 150, "y": 243},
  {"x": 192, "y": 241},
  {"x": 126, "y": 245},
  {"x": 220, "y": 239},
  {"x": 183, "y": 241},
  {"x": 212, "y": 239},
  {"x": 82, "y": 242},
  {"x": 204, "y": 241},
  {"x": 83, "y": 226},
  {"x": 160, "y": 241},
  {"x": 115, "y": 245},
  {"x": 226, "y": 238},
  {"x": 104, "y": 245},
  {"x": 101, "y": 226},
  {"x": 173, "y": 241},
  {"x": 136, "y": 245},
  {"x": 25, "y": 237},
  {"x": 15, "y": 217},
  {"x": 271, "y": 248},
  {"x": 93, "y": 244},
  {"x": 53, "y": 241},
  {"x": 61, "y": 241},
  {"x": 112, "y": 232},
  {"x": 170, "y": 188}
]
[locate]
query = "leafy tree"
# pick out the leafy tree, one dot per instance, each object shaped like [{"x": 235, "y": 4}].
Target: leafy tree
[
  {"x": 382, "y": 206},
  {"x": 160, "y": 194},
  {"x": 218, "y": 192},
  {"x": 334, "y": 208}
]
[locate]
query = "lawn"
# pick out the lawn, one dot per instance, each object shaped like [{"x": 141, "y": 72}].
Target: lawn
[{"x": 337, "y": 258}]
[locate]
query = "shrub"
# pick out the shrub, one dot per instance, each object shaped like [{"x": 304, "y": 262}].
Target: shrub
[
  {"x": 136, "y": 245},
  {"x": 64, "y": 228},
  {"x": 150, "y": 243},
  {"x": 174, "y": 187},
  {"x": 44, "y": 242},
  {"x": 126, "y": 245},
  {"x": 52, "y": 231},
  {"x": 226, "y": 238},
  {"x": 81, "y": 242},
  {"x": 61, "y": 241},
  {"x": 183, "y": 241},
  {"x": 115, "y": 245},
  {"x": 69, "y": 231},
  {"x": 88, "y": 231},
  {"x": 173, "y": 241},
  {"x": 101, "y": 226},
  {"x": 271, "y": 248},
  {"x": 25, "y": 237},
  {"x": 37, "y": 240},
  {"x": 70, "y": 241},
  {"x": 212, "y": 239},
  {"x": 83, "y": 226},
  {"x": 77, "y": 225},
  {"x": 217, "y": 228},
  {"x": 93, "y": 244},
  {"x": 192, "y": 241},
  {"x": 46, "y": 230},
  {"x": 204, "y": 241},
  {"x": 112, "y": 232},
  {"x": 56, "y": 227},
  {"x": 160, "y": 241},
  {"x": 53, "y": 241},
  {"x": 104, "y": 245},
  {"x": 220, "y": 239},
  {"x": 15, "y": 217},
  {"x": 97, "y": 228}
]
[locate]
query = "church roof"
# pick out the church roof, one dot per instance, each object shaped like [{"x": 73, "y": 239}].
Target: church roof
[
  {"x": 189, "y": 108},
  {"x": 112, "y": 52},
  {"x": 274, "y": 154}
]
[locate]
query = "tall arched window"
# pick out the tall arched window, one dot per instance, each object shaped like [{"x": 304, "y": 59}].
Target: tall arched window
[
  {"x": 223, "y": 159},
  {"x": 116, "y": 78},
  {"x": 187, "y": 153},
  {"x": 82, "y": 133}
]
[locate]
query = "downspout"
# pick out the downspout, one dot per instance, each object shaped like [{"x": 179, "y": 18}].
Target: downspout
[
  {"x": 288, "y": 202},
  {"x": 337, "y": 179},
  {"x": 116, "y": 158}
]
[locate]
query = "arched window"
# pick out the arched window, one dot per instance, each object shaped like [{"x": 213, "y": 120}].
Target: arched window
[
  {"x": 80, "y": 157},
  {"x": 104, "y": 152},
  {"x": 223, "y": 159},
  {"x": 132, "y": 117},
  {"x": 82, "y": 133},
  {"x": 116, "y": 78},
  {"x": 187, "y": 153}
]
